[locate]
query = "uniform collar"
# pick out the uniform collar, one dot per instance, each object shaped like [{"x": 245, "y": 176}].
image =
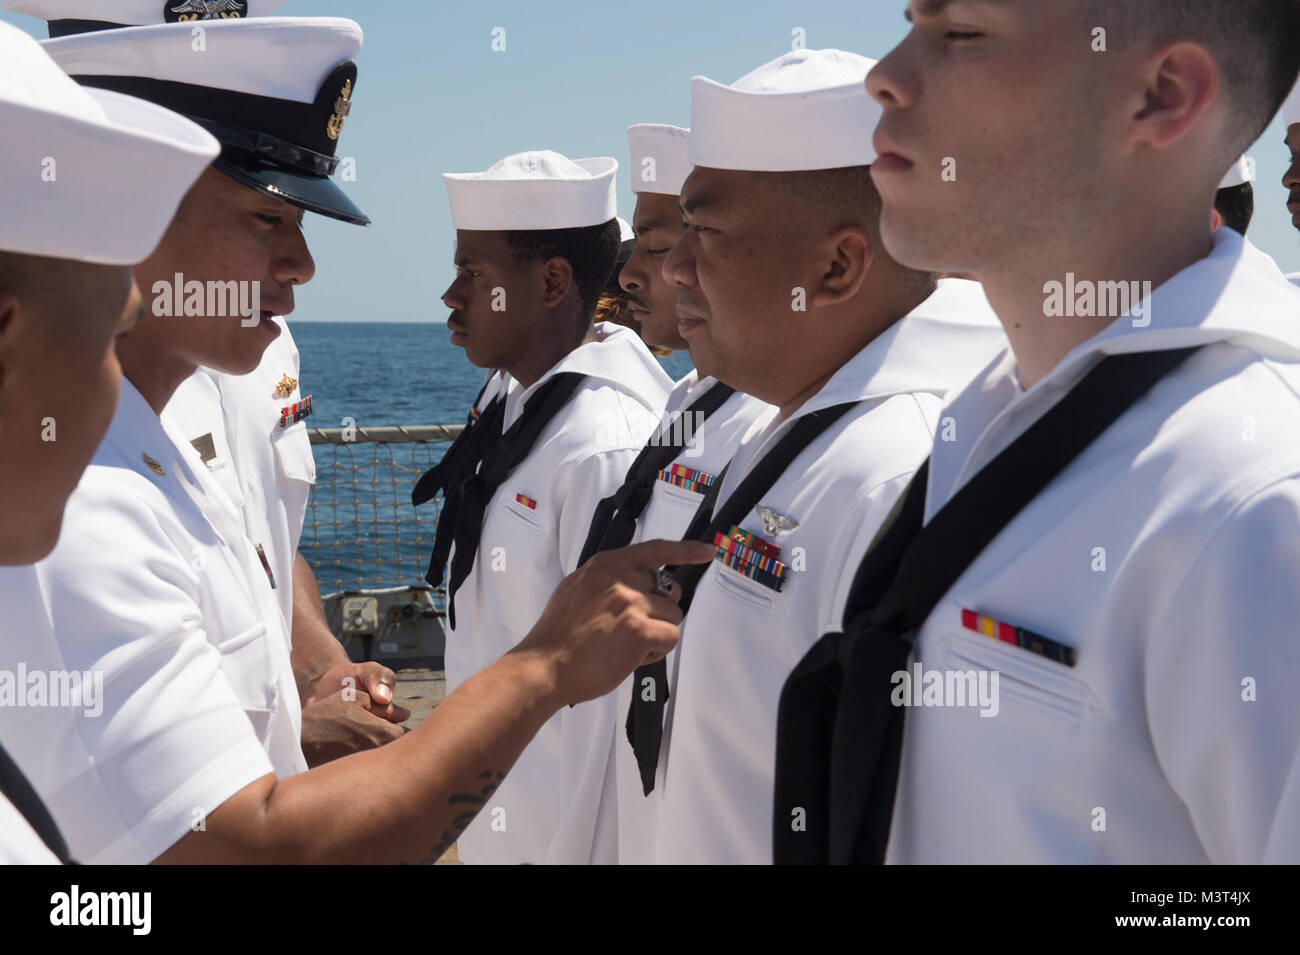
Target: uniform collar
[
  {"x": 617, "y": 357},
  {"x": 689, "y": 380},
  {"x": 936, "y": 347},
  {"x": 1236, "y": 294},
  {"x": 137, "y": 436},
  {"x": 688, "y": 387}
]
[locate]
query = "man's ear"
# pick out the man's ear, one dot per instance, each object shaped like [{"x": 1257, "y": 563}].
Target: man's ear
[
  {"x": 851, "y": 253},
  {"x": 1216, "y": 220},
  {"x": 1181, "y": 83},
  {"x": 557, "y": 278}
]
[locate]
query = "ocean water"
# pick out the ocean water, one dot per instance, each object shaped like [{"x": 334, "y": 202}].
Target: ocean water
[
  {"x": 388, "y": 373},
  {"x": 361, "y": 529}
]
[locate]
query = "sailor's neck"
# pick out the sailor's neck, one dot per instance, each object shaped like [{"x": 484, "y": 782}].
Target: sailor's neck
[
  {"x": 538, "y": 361},
  {"x": 1039, "y": 336},
  {"x": 154, "y": 373}
]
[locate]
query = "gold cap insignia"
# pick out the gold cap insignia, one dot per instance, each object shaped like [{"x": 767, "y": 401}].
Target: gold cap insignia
[
  {"x": 154, "y": 466},
  {"x": 286, "y": 386},
  {"x": 191, "y": 10},
  {"x": 342, "y": 107}
]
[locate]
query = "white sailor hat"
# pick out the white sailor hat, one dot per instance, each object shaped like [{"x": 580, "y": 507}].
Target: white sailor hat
[
  {"x": 1241, "y": 172},
  {"x": 659, "y": 162},
  {"x": 534, "y": 191},
  {"x": 88, "y": 175},
  {"x": 807, "y": 109},
  {"x": 67, "y": 17},
  {"x": 275, "y": 91},
  {"x": 1291, "y": 108}
]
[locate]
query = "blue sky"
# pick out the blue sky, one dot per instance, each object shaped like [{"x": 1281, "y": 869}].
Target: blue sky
[{"x": 432, "y": 97}]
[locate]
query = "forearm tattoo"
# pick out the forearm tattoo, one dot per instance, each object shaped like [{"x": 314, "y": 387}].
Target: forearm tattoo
[{"x": 474, "y": 803}]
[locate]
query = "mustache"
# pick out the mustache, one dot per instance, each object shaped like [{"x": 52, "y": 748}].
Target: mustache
[{"x": 639, "y": 303}]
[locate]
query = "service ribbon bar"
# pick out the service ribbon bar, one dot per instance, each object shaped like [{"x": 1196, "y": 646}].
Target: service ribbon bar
[
  {"x": 688, "y": 478},
  {"x": 1018, "y": 636},
  {"x": 292, "y": 414},
  {"x": 737, "y": 550}
]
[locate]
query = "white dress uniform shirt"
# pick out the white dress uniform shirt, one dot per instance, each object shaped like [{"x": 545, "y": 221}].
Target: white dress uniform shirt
[
  {"x": 1166, "y": 556},
  {"x": 198, "y": 696},
  {"x": 1294, "y": 278},
  {"x": 741, "y": 639},
  {"x": 666, "y": 517},
  {"x": 26, "y": 629},
  {"x": 546, "y": 810},
  {"x": 266, "y": 470}
]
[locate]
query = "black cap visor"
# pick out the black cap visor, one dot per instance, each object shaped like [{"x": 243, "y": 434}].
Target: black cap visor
[{"x": 318, "y": 194}]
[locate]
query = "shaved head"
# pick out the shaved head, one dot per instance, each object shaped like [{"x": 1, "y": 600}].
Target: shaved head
[
  {"x": 1255, "y": 43},
  {"x": 831, "y": 199}
]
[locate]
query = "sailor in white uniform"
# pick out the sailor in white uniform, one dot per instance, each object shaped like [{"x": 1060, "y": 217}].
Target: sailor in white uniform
[
  {"x": 123, "y": 166},
  {"x": 195, "y": 577},
  {"x": 1140, "y": 610},
  {"x": 579, "y": 403},
  {"x": 1163, "y": 588},
  {"x": 702, "y": 424},
  {"x": 855, "y": 363},
  {"x": 167, "y": 605},
  {"x": 248, "y": 426}
]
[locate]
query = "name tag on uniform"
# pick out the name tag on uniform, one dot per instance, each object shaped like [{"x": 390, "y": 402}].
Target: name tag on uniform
[
  {"x": 680, "y": 476},
  {"x": 751, "y": 555},
  {"x": 1018, "y": 636},
  {"x": 290, "y": 415}
]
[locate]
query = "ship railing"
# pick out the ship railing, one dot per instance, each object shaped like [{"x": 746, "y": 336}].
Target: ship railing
[{"x": 361, "y": 532}]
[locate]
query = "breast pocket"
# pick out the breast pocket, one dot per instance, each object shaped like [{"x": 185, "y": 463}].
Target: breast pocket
[
  {"x": 737, "y": 586},
  {"x": 522, "y": 516},
  {"x": 669, "y": 513},
  {"x": 1026, "y": 682},
  {"x": 293, "y": 453},
  {"x": 679, "y": 496},
  {"x": 246, "y": 664}
]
